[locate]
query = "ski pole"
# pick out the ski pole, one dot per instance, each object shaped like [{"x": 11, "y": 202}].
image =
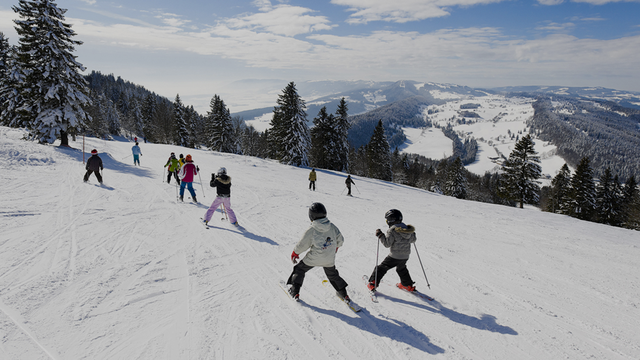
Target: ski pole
[
  {"x": 177, "y": 197},
  {"x": 375, "y": 281},
  {"x": 199, "y": 177},
  {"x": 126, "y": 156},
  {"x": 357, "y": 188},
  {"x": 345, "y": 188},
  {"x": 224, "y": 211},
  {"x": 425, "y": 274}
]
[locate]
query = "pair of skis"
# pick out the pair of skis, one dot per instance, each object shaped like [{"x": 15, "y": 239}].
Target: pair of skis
[
  {"x": 353, "y": 306},
  {"x": 374, "y": 296}
]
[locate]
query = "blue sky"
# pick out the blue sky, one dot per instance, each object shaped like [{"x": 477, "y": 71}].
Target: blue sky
[{"x": 199, "y": 48}]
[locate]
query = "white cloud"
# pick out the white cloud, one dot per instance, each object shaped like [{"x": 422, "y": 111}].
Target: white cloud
[
  {"x": 402, "y": 11},
  {"x": 550, "y": 2},
  {"x": 556, "y": 27},
  {"x": 282, "y": 20}
]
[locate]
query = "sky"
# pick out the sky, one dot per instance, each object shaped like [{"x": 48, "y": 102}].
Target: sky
[{"x": 201, "y": 48}]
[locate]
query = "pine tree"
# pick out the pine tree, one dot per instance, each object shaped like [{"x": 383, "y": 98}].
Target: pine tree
[
  {"x": 341, "y": 129},
  {"x": 181, "y": 135},
  {"x": 54, "y": 92},
  {"x": 608, "y": 199},
  {"x": 631, "y": 204},
  {"x": 582, "y": 202},
  {"x": 321, "y": 142},
  {"x": 378, "y": 155},
  {"x": 10, "y": 78},
  {"x": 289, "y": 138},
  {"x": 219, "y": 127},
  {"x": 560, "y": 191},
  {"x": 456, "y": 184},
  {"x": 148, "y": 116},
  {"x": 522, "y": 171}
]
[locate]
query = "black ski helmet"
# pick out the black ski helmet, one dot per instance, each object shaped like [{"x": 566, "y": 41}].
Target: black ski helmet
[
  {"x": 393, "y": 216},
  {"x": 317, "y": 211}
]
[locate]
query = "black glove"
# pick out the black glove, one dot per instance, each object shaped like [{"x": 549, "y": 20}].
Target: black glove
[
  {"x": 197, "y": 168},
  {"x": 378, "y": 232}
]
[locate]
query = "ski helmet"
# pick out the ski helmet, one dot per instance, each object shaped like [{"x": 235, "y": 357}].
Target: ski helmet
[
  {"x": 317, "y": 211},
  {"x": 94, "y": 151},
  {"x": 181, "y": 156},
  {"x": 222, "y": 171},
  {"x": 393, "y": 216},
  {"x": 188, "y": 158}
]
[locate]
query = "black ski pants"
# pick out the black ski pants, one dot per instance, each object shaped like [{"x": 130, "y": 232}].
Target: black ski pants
[
  {"x": 312, "y": 184},
  {"x": 175, "y": 175},
  {"x": 297, "y": 277},
  {"x": 389, "y": 263},
  {"x": 86, "y": 176}
]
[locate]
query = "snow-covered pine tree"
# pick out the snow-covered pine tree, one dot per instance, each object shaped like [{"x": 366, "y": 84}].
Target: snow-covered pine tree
[
  {"x": 378, "y": 155},
  {"x": 456, "y": 183},
  {"x": 219, "y": 127},
  {"x": 631, "y": 204},
  {"x": 110, "y": 115},
  {"x": 289, "y": 138},
  {"x": 341, "y": 128},
  {"x": 10, "y": 78},
  {"x": 319, "y": 154},
  {"x": 54, "y": 92},
  {"x": 608, "y": 199},
  {"x": 522, "y": 171},
  {"x": 583, "y": 191},
  {"x": 181, "y": 134},
  {"x": 192, "y": 120},
  {"x": 148, "y": 115},
  {"x": 560, "y": 191}
]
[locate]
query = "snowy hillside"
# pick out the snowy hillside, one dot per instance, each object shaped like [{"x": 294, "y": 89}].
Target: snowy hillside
[{"x": 123, "y": 271}]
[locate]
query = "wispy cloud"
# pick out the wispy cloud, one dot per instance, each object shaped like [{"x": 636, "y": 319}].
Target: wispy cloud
[
  {"x": 282, "y": 20},
  {"x": 401, "y": 11},
  {"x": 554, "y": 27}
]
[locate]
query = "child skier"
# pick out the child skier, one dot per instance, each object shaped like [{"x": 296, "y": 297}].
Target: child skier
[
  {"x": 322, "y": 240},
  {"x": 174, "y": 167},
  {"x": 399, "y": 238},
  {"x": 136, "y": 154},
  {"x": 94, "y": 165},
  {"x": 222, "y": 183},
  {"x": 186, "y": 175},
  {"x": 312, "y": 179},
  {"x": 348, "y": 182}
]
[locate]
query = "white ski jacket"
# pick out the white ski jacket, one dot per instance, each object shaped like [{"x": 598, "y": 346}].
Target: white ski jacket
[{"x": 321, "y": 239}]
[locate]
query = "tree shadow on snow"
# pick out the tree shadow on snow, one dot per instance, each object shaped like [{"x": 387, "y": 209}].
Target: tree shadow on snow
[
  {"x": 484, "y": 322},
  {"x": 389, "y": 328},
  {"x": 109, "y": 163}
]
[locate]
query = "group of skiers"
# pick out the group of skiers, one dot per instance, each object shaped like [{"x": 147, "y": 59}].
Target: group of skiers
[
  {"x": 323, "y": 239},
  {"x": 313, "y": 176}
]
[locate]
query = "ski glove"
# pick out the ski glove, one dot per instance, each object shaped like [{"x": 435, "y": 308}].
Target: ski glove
[
  {"x": 378, "y": 232},
  {"x": 294, "y": 257}
]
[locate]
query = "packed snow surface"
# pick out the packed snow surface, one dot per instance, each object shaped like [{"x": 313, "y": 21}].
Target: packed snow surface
[{"x": 123, "y": 271}]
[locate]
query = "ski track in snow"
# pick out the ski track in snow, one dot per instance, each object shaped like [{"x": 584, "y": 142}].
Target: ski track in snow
[{"x": 124, "y": 271}]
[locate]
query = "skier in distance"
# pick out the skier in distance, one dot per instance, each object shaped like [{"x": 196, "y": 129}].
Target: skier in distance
[
  {"x": 94, "y": 165},
  {"x": 187, "y": 173}
]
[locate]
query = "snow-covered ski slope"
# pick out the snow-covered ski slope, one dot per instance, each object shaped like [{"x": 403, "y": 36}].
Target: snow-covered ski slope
[{"x": 123, "y": 271}]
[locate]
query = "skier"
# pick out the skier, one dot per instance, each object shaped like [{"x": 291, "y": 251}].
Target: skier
[
  {"x": 186, "y": 175},
  {"x": 312, "y": 179},
  {"x": 136, "y": 154},
  {"x": 222, "y": 183},
  {"x": 174, "y": 167},
  {"x": 348, "y": 182},
  {"x": 94, "y": 165},
  {"x": 181, "y": 160},
  {"x": 322, "y": 240},
  {"x": 399, "y": 238}
]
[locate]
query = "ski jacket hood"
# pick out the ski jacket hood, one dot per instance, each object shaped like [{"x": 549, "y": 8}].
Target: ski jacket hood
[
  {"x": 398, "y": 239},
  {"x": 222, "y": 184},
  {"x": 321, "y": 239}
]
